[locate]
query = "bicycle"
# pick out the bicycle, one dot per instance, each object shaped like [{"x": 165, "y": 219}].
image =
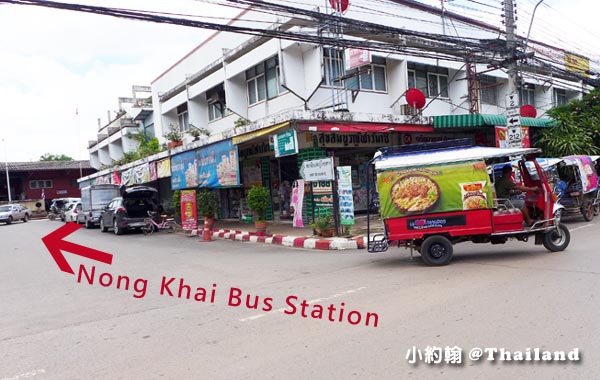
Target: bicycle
[{"x": 167, "y": 224}]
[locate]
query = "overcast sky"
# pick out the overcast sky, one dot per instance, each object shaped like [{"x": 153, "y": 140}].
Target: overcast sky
[{"x": 60, "y": 71}]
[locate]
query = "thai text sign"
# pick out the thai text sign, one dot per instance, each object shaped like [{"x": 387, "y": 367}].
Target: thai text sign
[
  {"x": 317, "y": 170},
  {"x": 336, "y": 139},
  {"x": 434, "y": 189},
  {"x": 218, "y": 165}
]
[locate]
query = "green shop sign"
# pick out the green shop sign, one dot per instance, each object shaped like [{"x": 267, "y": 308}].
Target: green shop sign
[{"x": 286, "y": 143}]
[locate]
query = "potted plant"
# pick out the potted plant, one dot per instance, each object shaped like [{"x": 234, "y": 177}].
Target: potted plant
[
  {"x": 206, "y": 203},
  {"x": 174, "y": 136},
  {"x": 196, "y": 132},
  {"x": 324, "y": 226},
  {"x": 259, "y": 200}
]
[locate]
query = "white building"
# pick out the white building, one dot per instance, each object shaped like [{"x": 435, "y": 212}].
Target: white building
[
  {"x": 117, "y": 136},
  {"x": 250, "y": 91}
]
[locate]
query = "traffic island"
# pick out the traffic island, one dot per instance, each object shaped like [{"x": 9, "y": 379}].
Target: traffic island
[{"x": 337, "y": 243}]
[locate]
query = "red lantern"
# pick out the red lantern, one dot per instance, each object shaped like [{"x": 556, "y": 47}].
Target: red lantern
[
  {"x": 415, "y": 98},
  {"x": 339, "y": 5},
  {"x": 528, "y": 111}
]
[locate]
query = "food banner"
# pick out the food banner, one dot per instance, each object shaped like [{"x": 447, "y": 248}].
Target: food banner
[
  {"x": 141, "y": 174},
  {"x": 102, "y": 180},
  {"x": 153, "y": 174},
  {"x": 189, "y": 220},
  {"x": 345, "y": 195},
  {"x": 115, "y": 179},
  {"x": 433, "y": 189},
  {"x": 183, "y": 171},
  {"x": 127, "y": 178},
  {"x": 501, "y": 137},
  {"x": 218, "y": 165},
  {"x": 163, "y": 168}
]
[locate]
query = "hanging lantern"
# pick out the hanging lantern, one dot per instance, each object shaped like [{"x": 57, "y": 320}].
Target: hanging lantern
[
  {"x": 415, "y": 98},
  {"x": 528, "y": 111}
]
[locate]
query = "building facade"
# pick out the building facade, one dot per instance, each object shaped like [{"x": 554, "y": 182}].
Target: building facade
[{"x": 252, "y": 93}]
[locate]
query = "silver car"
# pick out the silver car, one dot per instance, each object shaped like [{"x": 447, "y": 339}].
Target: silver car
[{"x": 10, "y": 213}]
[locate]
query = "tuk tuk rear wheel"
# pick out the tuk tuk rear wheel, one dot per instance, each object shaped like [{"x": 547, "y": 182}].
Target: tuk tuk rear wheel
[
  {"x": 436, "y": 250},
  {"x": 558, "y": 239},
  {"x": 588, "y": 211},
  {"x": 597, "y": 209}
]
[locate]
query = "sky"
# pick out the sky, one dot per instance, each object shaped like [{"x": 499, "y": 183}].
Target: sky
[{"x": 60, "y": 70}]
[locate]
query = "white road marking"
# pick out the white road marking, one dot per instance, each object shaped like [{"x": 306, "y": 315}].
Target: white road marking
[
  {"x": 581, "y": 227},
  {"x": 25, "y": 375},
  {"x": 281, "y": 310}
]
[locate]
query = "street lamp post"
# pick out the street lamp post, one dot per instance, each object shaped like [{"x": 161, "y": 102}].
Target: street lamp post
[{"x": 7, "y": 176}]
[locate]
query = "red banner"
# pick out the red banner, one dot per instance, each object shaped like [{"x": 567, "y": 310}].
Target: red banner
[
  {"x": 189, "y": 217},
  {"x": 501, "y": 137}
]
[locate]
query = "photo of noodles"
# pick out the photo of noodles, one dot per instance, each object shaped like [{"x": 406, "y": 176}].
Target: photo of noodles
[
  {"x": 474, "y": 202},
  {"x": 415, "y": 193},
  {"x": 473, "y": 195}
]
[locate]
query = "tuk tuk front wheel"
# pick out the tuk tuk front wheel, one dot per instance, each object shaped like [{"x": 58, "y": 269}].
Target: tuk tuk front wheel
[
  {"x": 588, "y": 211},
  {"x": 557, "y": 239},
  {"x": 436, "y": 250}
]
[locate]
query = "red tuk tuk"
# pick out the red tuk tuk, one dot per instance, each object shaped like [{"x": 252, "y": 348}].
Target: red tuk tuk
[{"x": 435, "y": 195}]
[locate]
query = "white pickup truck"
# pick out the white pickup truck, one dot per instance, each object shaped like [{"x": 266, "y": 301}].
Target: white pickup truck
[{"x": 10, "y": 213}]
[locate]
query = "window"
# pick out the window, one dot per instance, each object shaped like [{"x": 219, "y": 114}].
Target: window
[
  {"x": 215, "y": 111},
  {"x": 527, "y": 94},
  {"x": 431, "y": 80},
  {"x": 183, "y": 118},
  {"x": 488, "y": 90},
  {"x": 263, "y": 81},
  {"x": 560, "y": 97},
  {"x": 40, "y": 184},
  {"x": 334, "y": 66},
  {"x": 149, "y": 131},
  {"x": 371, "y": 78},
  {"x": 217, "y": 107}
]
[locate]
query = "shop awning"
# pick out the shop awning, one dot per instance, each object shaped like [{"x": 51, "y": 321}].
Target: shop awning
[
  {"x": 485, "y": 120},
  {"x": 260, "y": 132},
  {"x": 363, "y": 127}
]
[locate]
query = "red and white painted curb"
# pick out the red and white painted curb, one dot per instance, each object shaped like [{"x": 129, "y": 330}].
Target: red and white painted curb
[{"x": 292, "y": 241}]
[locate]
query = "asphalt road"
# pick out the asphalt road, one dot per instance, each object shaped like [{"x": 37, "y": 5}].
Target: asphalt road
[{"x": 55, "y": 325}]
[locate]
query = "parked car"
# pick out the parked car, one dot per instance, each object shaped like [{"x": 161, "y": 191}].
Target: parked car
[
  {"x": 10, "y": 213},
  {"x": 128, "y": 211},
  {"x": 67, "y": 202},
  {"x": 73, "y": 210},
  {"x": 93, "y": 200}
]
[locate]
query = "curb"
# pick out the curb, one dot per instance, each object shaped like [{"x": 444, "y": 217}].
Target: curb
[{"x": 329, "y": 244}]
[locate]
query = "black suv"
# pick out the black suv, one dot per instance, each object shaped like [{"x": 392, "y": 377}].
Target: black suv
[{"x": 128, "y": 211}]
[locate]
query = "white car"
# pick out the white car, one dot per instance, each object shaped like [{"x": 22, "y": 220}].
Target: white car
[{"x": 72, "y": 211}]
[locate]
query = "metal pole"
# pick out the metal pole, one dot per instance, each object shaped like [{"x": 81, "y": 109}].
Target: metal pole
[
  {"x": 530, "y": 24},
  {"x": 511, "y": 44},
  {"x": 7, "y": 176}
]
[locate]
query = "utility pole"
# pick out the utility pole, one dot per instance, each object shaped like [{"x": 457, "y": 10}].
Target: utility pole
[{"x": 511, "y": 46}]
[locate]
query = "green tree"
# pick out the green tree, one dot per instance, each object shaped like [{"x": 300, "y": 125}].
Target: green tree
[
  {"x": 55, "y": 157},
  {"x": 577, "y": 129}
]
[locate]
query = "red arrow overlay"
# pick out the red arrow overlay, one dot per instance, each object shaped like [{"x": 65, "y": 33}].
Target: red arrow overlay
[{"x": 55, "y": 244}]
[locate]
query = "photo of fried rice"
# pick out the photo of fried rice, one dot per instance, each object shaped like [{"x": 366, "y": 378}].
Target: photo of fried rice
[
  {"x": 415, "y": 193},
  {"x": 474, "y": 202}
]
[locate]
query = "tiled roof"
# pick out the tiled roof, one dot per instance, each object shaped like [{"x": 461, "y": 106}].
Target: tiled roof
[{"x": 46, "y": 165}]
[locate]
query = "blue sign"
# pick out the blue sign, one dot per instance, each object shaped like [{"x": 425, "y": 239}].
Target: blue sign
[
  {"x": 184, "y": 174},
  {"x": 218, "y": 165}
]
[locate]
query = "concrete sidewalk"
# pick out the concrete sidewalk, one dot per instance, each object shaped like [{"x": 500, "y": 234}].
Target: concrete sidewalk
[{"x": 281, "y": 232}]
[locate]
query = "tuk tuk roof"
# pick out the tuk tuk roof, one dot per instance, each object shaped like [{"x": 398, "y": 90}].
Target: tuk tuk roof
[{"x": 445, "y": 155}]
